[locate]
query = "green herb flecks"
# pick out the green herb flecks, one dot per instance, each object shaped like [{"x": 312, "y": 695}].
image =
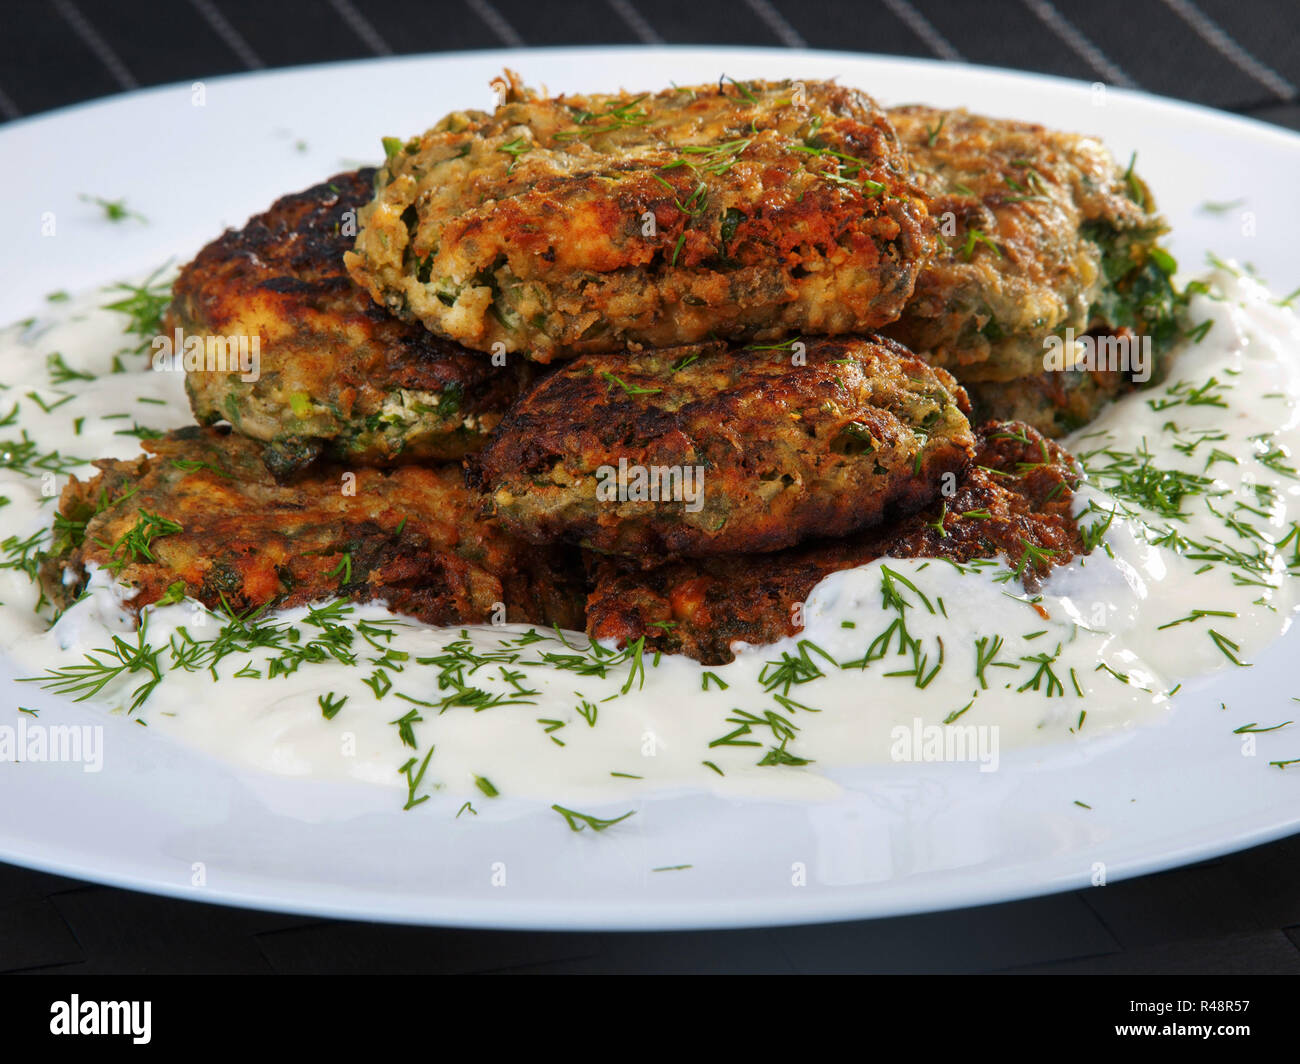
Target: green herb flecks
[
  {"x": 581, "y": 821},
  {"x": 144, "y": 305},
  {"x": 630, "y": 389},
  {"x": 114, "y": 210}
]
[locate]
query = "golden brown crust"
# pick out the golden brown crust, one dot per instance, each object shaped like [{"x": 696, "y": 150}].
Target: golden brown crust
[
  {"x": 700, "y": 607},
  {"x": 558, "y": 226},
  {"x": 200, "y": 510},
  {"x": 338, "y": 375},
  {"x": 770, "y": 447},
  {"x": 1038, "y": 229}
]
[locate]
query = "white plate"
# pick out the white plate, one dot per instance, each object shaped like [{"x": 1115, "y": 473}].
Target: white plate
[{"x": 905, "y": 838}]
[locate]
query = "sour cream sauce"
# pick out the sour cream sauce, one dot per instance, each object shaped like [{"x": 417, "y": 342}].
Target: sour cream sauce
[{"x": 1104, "y": 646}]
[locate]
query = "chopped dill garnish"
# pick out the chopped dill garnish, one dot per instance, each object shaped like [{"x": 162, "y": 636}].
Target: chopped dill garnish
[
  {"x": 630, "y": 389},
  {"x": 707, "y": 676},
  {"x": 405, "y": 729},
  {"x": 1228, "y": 648},
  {"x": 587, "y": 711},
  {"x": 137, "y": 542},
  {"x": 581, "y": 821},
  {"x": 515, "y": 148},
  {"x": 1196, "y": 615},
  {"x": 1211, "y": 207},
  {"x": 987, "y": 649},
  {"x": 957, "y": 713},
  {"x": 1044, "y": 674},
  {"x": 114, "y": 210},
  {"x": 343, "y": 570},
  {"x": 975, "y": 237},
  {"x": 413, "y": 779},
  {"x": 61, "y": 373},
  {"x": 106, "y": 664},
  {"x": 143, "y": 305},
  {"x": 330, "y": 705}
]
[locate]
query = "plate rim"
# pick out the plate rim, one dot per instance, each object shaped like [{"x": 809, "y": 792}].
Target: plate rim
[
  {"x": 612, "y": 916},
  {"x": 557, "y": 51}
]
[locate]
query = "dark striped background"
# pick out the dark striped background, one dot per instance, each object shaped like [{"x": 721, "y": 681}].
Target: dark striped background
[
  {"x": 1239, "y": 55},
  {"x": 1238, "y": 914}
]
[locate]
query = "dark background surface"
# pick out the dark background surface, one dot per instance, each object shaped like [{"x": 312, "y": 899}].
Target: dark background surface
[{"x": 1237, "y": 914}]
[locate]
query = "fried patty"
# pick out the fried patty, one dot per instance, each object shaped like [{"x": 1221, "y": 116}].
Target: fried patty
[
  {"x": 1022, "y": 482},
  {"x": 200, "y": 516},
  {"x": 714, "y": 448},
  {"x": 1052, "y": 402},
  {"x": 338, "y": 376},
  {"x": 563, "y": 225},
  {"x": 1041, "y": 232}
]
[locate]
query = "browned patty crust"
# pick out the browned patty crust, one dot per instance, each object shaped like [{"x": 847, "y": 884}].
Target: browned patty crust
[
  {"x": 1040, "y": 231},
  {"x": 199, "y": 516},
  {"x": 562, "y": 225},
  {"x": 769, "y": 447},
  {"x": 338, "y": 374},
  {"x": 700, "y": 607},
  {"x": 1055, "y": 403}
]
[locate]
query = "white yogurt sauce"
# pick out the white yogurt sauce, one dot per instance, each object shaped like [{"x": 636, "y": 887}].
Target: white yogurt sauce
[{"x": 1109, "y": 641}]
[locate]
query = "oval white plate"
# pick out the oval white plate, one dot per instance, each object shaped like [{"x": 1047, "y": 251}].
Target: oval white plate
[{"x": 903, "y": 839}]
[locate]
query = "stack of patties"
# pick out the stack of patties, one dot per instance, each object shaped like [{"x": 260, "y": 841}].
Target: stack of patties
[
  {"x": 335, "y": 472},
  {"x": 659, "y": 332}
]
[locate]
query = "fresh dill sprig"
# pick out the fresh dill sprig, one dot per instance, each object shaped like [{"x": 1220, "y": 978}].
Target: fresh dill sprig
[
  {"x": 630, "y": 389},
  {"x": 581, "y": 821},
  {"x": 61, "y": 373},
  {"x": 114, "y": 210},
  {"x": 105, "y": 665},
  {"x": 330, "y": 705},
  {"x": 144, "y": 305},
  {"x": 414, "y": 778}
]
